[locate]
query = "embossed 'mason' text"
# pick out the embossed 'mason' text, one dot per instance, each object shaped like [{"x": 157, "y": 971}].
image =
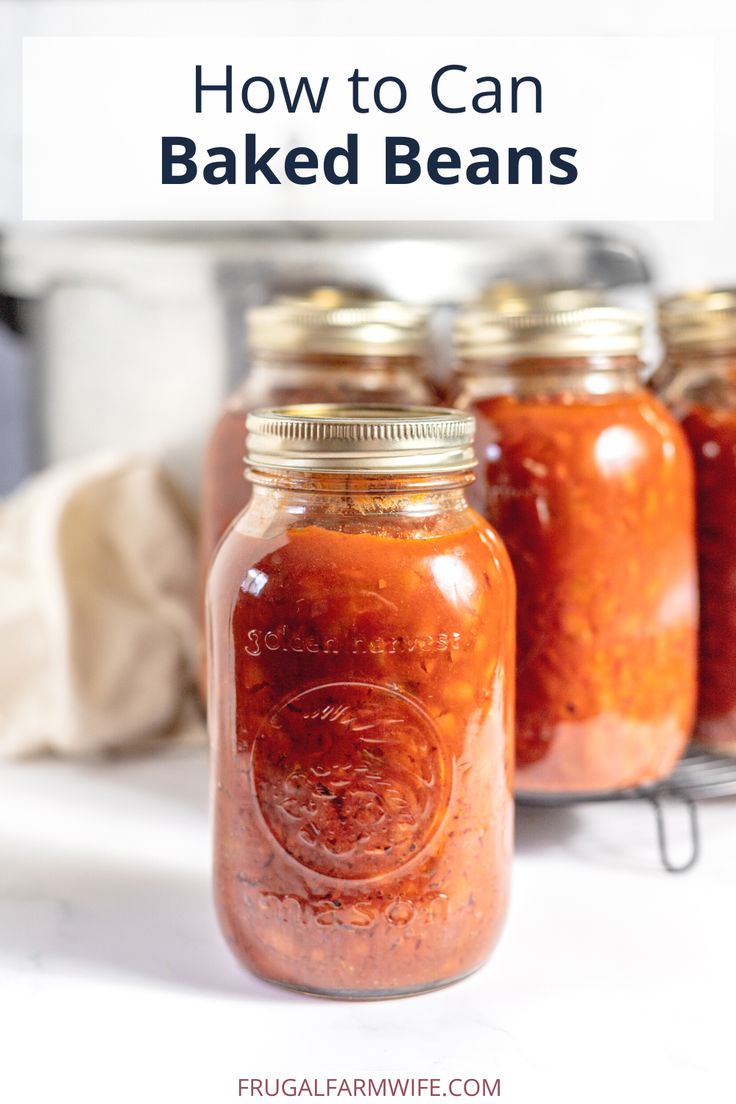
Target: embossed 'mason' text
[
  {"x": 284, "y": 639},
  {"x": 399, "y": 912}
]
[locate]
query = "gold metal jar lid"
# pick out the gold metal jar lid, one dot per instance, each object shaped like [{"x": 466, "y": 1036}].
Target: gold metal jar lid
[
  {"x": 706, "y": 317},
  {"x": 565, "y": 323},
  {"x": 329, "y": 320},
  {"x": 335, "y": 437}
]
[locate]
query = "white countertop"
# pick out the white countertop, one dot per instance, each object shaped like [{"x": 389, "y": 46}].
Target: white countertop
[{"x": 614, "y": 981}]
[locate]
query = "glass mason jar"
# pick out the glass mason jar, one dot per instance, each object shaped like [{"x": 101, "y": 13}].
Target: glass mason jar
[
  {"x": 327, "y": 346},
  {"x": 588, "y": 480},
  {"x": 698, "y": 381},
  {"x": 360, "y": 656}
]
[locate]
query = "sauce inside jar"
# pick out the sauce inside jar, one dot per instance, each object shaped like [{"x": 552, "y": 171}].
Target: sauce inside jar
[
  {"x": 712, "y": 436},
  {"x": 361, "y": 712},
  {"x": 593, "y": 500},
  {"x": 698, "y": 380},
  {"x": 588, "y": 480}
]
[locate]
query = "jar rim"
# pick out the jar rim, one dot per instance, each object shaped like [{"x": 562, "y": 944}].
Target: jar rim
[
  {"x": 538, "y": 331},
  {"x": 701, "y": 316},
  {"x": 361, "y": 439}
]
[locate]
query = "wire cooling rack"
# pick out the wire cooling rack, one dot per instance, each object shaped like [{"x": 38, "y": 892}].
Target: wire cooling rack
[{"x": 699, "y": 776}]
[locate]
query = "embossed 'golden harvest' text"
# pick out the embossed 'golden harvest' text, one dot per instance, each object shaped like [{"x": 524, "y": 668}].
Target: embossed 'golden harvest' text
[{"x": 284, "y": 639}]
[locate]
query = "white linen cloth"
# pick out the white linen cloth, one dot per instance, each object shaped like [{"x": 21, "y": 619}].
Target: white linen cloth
[{"x": 97, "y": 610}]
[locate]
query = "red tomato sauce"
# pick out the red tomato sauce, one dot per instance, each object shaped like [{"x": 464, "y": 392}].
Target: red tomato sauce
[
  {"x": 361, "y": 702},
  {"x": 712, "y": 436},
  {"x": 593, "y": 498}
]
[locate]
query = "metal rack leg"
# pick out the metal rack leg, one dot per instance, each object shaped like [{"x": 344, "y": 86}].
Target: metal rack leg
[{"x": 655, "y": 800}]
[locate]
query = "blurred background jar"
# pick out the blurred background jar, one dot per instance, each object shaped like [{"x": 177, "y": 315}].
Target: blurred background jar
[
  {"x": 588, "y": 479},
  {"x": 135, "y": 333},
  {"x": 698, "y": 379},
  {"x": 361, "y": 651},
  {"x": 327, "y": 345}
]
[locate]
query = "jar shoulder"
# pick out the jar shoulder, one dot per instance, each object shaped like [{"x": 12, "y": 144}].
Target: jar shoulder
[
  {"x": 327, "y": 555},
  {"x": 709, "y": 383},
  {"x": 569, "y": 418}
]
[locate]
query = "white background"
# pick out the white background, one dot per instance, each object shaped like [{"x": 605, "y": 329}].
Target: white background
[
  {"x": 639, "y": 113},
  {"x": 613, "y": 982}
]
